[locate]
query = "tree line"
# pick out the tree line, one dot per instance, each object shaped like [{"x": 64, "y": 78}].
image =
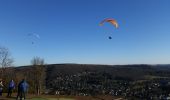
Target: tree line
[{"x": 35, "y": 74}]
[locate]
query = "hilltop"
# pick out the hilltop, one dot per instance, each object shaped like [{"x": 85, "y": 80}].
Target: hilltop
[{"x": 135, "y": 71}]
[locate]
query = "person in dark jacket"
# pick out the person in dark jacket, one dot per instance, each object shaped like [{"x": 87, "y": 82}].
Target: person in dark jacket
[
  {"x": 22, "y": 89},
  {"x": 11, "y": 86}
]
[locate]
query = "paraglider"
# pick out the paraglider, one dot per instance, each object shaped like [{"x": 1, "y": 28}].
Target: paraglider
[
  {"x": 33, "y": 37},
  {"x": 112, "y": 21}
]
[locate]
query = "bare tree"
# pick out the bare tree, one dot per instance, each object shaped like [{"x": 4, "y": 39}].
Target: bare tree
[
  {"x": 5, "y": 60},
  {"x": 39, "y": 74}
]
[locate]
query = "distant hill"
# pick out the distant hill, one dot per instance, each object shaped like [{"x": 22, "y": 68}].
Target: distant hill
[
  {"x": 162, "y": 66},
  {"x": 136, "y": 70},
  {"x": 85, "y": 78},
  {"x": 125, "y": 72},
  {"x": 122, "y": 70}
]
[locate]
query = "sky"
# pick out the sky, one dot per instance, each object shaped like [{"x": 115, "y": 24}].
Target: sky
[{"x": 69, "y": 31}]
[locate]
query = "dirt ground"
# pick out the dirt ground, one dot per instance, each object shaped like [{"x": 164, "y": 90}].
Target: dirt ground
[{"x": 55, "y": 97}]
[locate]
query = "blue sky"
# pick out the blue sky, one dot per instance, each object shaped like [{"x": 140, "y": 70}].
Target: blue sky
[{"x": 70, "y": 33}]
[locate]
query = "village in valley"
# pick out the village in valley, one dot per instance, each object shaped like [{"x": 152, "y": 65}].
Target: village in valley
[{"x": 84, "y": 50}]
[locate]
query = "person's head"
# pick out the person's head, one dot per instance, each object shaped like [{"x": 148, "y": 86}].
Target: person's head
[{"x": 23, "y": 80}]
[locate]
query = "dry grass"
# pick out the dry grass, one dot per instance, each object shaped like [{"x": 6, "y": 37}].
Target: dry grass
[{"x": 56, "y": 97}]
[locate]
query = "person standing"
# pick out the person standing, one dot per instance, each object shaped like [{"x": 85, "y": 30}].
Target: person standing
[
  {"x": 1, "y": 87},
  {"x": 22, "y": 89},
  {"x": 11, "y": 86}
]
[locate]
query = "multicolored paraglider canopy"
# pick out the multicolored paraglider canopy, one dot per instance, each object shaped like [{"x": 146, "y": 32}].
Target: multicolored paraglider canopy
[{"x": 110, "y": 20}]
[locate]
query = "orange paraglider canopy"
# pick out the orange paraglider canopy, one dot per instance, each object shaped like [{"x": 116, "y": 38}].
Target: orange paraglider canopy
[{"x": 110, "y": 20}]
